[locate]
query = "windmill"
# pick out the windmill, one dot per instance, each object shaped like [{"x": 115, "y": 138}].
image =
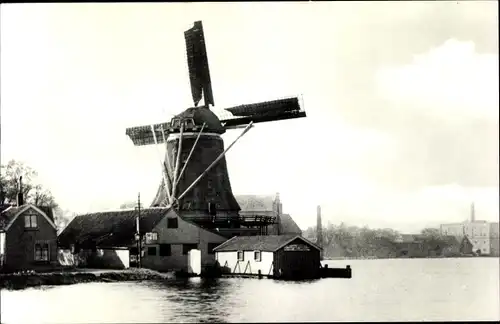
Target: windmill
[{"x": 195, "y": 177}]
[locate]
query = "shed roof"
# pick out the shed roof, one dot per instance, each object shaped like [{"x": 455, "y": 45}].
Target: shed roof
[
  {"x": 269, "y": 243},
  {"x": 111, "y": 228}
]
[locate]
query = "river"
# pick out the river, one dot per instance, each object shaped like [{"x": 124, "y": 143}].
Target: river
[{"x": 380, "y": 290}]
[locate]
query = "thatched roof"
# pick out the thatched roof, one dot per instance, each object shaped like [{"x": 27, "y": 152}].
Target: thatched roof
[
  {"x": 269, "y": 243},
  {"x": 112, "y": 228}
]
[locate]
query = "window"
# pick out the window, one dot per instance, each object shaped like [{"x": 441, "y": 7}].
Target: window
[
  {"x": 211, "y": 247},
  {"x": 172, "y": 222},
  {"x": 241, "y": 256},
  {"x": 165, "y": 250},
  {"x": 257, "y": 256},
  {"x": 188, "y": 247},
  {"x": 41, "y": 252},
  {"x": 151, "y": 237},
  {"x": 189, "y": 123},
  {"x": 30, "y": 221},
  {"x": 152, "y": 250}
]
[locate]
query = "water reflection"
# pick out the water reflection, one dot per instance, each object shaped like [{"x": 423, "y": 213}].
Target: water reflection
[{"x": 380, "y": 290}]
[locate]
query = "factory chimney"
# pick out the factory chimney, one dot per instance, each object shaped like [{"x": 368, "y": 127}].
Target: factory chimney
[
  {"x": 319, "y": 228},
  {"x": 472, "y": 213}
]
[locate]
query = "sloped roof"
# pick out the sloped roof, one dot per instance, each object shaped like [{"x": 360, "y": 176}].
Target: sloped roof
[
  {"x": 269, "y": 243},
  {"x": 255, "y": 203},
  {"x": 112, "y": 228},
  {"x": 9, "y": 215},
  {"x": 287, "y": 226}
]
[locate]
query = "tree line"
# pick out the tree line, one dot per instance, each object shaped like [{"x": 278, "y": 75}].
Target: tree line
[
  {"x": 33, "y": 191},
  {"x": 343, "y": 241}
]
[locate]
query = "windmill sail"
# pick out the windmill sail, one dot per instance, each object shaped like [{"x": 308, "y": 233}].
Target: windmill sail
[
  {"x": 280, "y": 109},
  {"x": 199, "y": 74}
]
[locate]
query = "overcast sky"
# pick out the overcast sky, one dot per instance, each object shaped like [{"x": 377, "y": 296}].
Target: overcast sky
[{"x": 401, "y": 97}]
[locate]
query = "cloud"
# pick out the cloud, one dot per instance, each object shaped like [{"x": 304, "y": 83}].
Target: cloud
[
  {"x": 443, "y": 110},
  {"x": 450, "y": 81}
]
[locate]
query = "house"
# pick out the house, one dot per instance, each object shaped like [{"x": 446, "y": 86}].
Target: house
[
  {"x": 28, "y": 237},
  {"x": 284, "y": 256},
  {"x": 268, "y": 205},
  {"x": 108, "y": 239}
]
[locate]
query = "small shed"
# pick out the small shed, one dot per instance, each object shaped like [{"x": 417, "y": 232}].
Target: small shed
[{"x": 277, "y": 256}]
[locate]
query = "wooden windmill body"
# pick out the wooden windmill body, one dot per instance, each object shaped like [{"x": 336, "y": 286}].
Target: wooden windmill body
[{"x": 195, "y": 177}]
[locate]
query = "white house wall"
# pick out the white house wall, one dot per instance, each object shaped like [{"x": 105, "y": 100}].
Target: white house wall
[
  {"x": 186, "y": 233},
  {"x": 230, "y": 260}
]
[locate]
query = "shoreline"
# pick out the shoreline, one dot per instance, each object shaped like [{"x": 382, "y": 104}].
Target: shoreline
[{"x": 19, "y": 281}]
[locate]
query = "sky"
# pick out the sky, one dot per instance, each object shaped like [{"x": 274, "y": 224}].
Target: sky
[{"x": 401, "y": 100}]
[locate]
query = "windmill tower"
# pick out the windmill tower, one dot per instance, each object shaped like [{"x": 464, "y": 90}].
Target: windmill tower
[{"x": 195, "y": 177}]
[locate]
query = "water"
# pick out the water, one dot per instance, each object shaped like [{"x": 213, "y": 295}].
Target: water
[{"x": 380, "y": 290}]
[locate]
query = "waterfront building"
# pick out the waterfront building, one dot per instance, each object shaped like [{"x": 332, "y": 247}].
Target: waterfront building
[
  {"x": 108, "y": 239},
  {"x": 288, "y": 256},
  {"x": 28, "y": 236}
]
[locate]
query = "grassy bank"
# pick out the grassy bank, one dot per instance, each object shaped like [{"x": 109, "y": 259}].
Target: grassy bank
[{"x": 24, "y": 280}]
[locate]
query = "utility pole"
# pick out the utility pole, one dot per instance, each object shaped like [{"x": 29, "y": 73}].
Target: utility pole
[{"x": 138, "y": 232}]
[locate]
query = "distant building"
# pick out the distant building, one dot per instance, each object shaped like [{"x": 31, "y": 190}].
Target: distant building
[
  {"x": 482, "y": 235},
  {"x": 287, "y": 256}
]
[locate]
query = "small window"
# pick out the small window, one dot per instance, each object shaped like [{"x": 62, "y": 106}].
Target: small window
[
  {"x": 152, "y": 250},
  {"x": 211, "y": 247},
  {"x": 165, "y": 250},
  {"x": 188, "y": 247},
  {"x": 257, "y": 256},
  {"x": 241, "y": 256},
  {"x": 30, "y": 221},
  {"x": 189, "y": 123},
  {"x": 172, "y": 222},
  {"x": 151, "y": 237},
  {"x": 41, "y": 252}
]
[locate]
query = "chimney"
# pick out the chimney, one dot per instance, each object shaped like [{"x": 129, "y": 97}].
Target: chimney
[
  {"x": 278, "y": 213},
  {"x": 472, "y": 213},
  {"x": 20, "y": 198},
  {"x": 319, "y": 228}
]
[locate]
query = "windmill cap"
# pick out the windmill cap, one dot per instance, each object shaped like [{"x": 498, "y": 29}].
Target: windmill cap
[{"x": 201, "y": 115}]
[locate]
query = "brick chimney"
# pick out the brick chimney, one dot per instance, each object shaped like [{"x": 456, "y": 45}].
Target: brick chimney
[{"x": 20, "y": 197}]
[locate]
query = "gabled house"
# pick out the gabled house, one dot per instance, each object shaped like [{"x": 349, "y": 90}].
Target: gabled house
[
  {"x": 108, "y": 239},
  {"x": 28, "y": 238},
  {"x": 284, "y": 256},
  {"x": 267, "y": 205}
]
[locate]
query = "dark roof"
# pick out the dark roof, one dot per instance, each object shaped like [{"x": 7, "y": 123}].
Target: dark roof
[
  {"x": 268, "y": 243},
  {"x": 7, "y": 215},
  {"x": 287, "y": 226},
  {"x": 112, "y": 228},
  {"x": 202, "y": 115}
]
